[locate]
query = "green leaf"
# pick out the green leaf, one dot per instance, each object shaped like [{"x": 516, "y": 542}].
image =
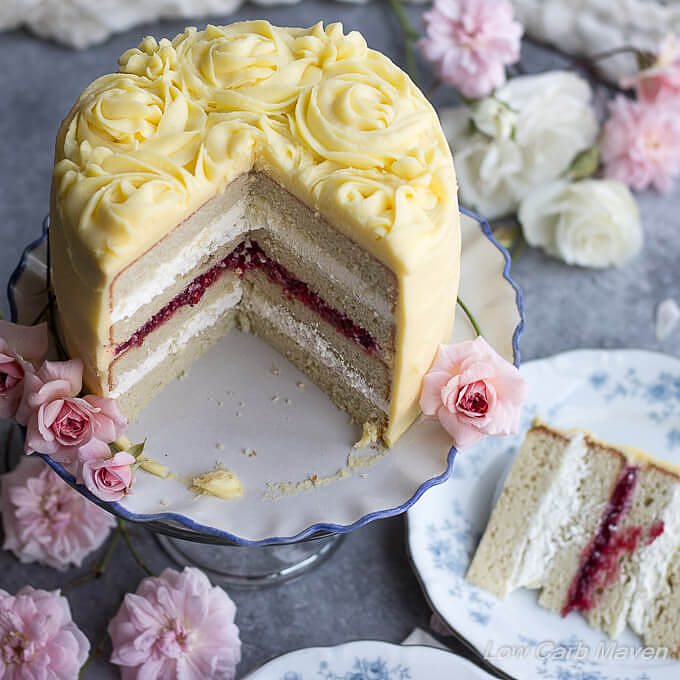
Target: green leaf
[
  {"x": 114, "y": 448},
  {"x": 645, "y": 59},
  {"x": 585, "y": 164},
  {"x": 136, "y": 450}
]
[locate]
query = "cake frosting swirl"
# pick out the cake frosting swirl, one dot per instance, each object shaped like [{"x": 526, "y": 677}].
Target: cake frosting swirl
[{"x": 338, "y": 123}]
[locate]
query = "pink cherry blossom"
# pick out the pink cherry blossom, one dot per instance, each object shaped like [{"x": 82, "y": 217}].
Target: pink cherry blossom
[
  {"x": 660, "y": 83},
  {"x": 470, "y": 42},
  {"x": 45, "y": 520},
  {"x": 19, "y": 346},
  {"x": 59, "y": 422},
  {"x": 473, "y": 392},
  {"x": 107, "y": 477},
  {"x": 38, "y": 639},
  {"x": 641, "y": 144},
  {"x": 176, "y": 627}
]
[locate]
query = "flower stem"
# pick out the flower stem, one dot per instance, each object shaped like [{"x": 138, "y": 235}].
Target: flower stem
[
  {"x": 410, "y": 36},
  {"x": 126, "y": 537},
  {"x": 95, "y": 651},
  {"x": 98, "y": 570},
  {"x": 469, "y": 315}
]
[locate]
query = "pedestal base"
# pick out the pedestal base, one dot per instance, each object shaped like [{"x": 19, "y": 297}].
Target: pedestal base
[{"x": 251, "y": 566}]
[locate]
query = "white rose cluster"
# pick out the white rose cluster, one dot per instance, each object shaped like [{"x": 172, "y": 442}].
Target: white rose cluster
[{"x": 512, "y": 151}]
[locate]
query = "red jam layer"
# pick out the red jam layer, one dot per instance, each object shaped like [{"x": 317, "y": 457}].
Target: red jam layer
[
  {"x": 248, "y": 256},
  {"x": 600, "y": 562}
]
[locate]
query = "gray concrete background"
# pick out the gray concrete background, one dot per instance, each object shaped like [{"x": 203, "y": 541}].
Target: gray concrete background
[{"x": 367, "y": 589}]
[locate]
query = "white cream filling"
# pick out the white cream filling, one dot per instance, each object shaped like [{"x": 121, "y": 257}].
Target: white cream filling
[
  {"x": 559, "y": 510},
  {"x": 220, "y": 232},
  {"x": 654, "y": 561},
  {"x": 306, "y": 337},
  {"x": 196, "y": 324}
]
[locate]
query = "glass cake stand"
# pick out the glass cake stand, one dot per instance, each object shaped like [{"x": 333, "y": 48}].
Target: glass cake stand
[{"x": 244, "y": 407}]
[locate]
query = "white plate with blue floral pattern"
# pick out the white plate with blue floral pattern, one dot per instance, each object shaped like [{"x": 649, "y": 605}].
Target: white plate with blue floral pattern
[
  {"x": 369, "y": 660},
  {"x": 624, "y": 396}
]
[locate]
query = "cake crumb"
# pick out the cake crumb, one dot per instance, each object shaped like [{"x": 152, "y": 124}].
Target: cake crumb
[
  {"x": 288, "y": 401},
  {"x": 357, "y": 462},
  {"x": 230, "y": 393},
  {"x": 275, "y": 370},
  {"x": 238, "y": 414},
  {"x": 275, "y": 398},
  {"x": 164, "y": 501},
  {"x": 219, "y": 483},
  {"x": 219, "y": 446},
  {"x": 251, "y": 453},
  {"x": 363, "y": 475},
  {"x": 369, "y": 435},
  {"x": 154, "y": 467},
  {"x": 301, "y": 386},
  {"x": 277, "y": 490},
  {"x": 184, "y": 374},
  {"x": 242, "y": 403},
  {"x": 220, "y": 403}
]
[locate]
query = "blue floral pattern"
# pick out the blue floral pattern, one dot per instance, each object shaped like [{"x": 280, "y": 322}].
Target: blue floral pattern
[
  {"x": 362, "y": 669},
  {"x": 641, "y": 389}
]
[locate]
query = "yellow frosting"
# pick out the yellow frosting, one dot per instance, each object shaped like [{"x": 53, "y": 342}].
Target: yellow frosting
[{"x": 336, "y": 123}]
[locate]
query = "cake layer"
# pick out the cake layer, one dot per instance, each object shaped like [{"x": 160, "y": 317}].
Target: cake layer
[
  {"x": 662, "y": 629},
  {"x": 217, "y": 224},
  {"x": 370, "y": 366},
  {"x": 132, "y": 364},
  {"x": 602, "y": 469},
  {"x": 654, "y": 513},
  {"x": 175, "y": 357},
  {"x": 307, "y": 350}
]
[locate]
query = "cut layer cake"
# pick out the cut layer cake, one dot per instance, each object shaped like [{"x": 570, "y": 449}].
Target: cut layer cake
[
  {"x": 290, "y": 182},
  {"x": 595, "y": 527}
]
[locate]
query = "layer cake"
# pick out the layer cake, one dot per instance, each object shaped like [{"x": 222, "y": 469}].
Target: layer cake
[{"x": 290, "y": 182}]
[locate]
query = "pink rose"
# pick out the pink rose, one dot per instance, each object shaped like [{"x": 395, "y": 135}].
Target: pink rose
[
  {"x": 107, "y": 477},
  {"x": 470, "y": 42},
  {"x": 45, "y": 520},
  {"x": 38, "y": 639},
  {"x": 473, "y": 392},
  {"x": 641, "y": 144},
  {"x": 661, "y": 81},
  {"x": 176, "y": 625},
  {"x": 19, "y": 345},
  {"x": 59, "y": 422}
]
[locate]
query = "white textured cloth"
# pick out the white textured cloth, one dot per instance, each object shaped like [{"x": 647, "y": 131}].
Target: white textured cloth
[
  {"x": 80, "y": 23},
  {"x": 584, "y": 27}
]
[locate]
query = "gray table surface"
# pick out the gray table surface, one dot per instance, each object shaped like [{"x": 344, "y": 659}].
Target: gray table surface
[{"x": 367, "y": 589}]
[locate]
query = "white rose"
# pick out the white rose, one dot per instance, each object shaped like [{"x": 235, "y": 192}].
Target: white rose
[
  {"x": 592, "y": 223},
  {"x": 494, "y": 118},
  {"x": 552, "y": 121}
]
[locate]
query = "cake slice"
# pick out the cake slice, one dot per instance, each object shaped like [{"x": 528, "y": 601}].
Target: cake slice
[{"x": 593, "y": 526}]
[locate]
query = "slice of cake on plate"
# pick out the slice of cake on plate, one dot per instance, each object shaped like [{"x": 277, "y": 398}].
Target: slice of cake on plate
[
  {"x": 595, "y": 527},
  {"x": 291, "y": 182}
]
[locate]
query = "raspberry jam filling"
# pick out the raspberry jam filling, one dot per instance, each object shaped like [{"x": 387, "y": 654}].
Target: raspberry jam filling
[
  {"x": 600, "y": 562},
  {"x": 248, "y": 256}
]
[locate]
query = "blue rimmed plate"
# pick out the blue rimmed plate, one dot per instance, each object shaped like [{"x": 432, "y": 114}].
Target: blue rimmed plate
[
  {"x": 369, "y": 660},
  {"x": 625, "y": 396},
  {"x": 244, "y": 407}
]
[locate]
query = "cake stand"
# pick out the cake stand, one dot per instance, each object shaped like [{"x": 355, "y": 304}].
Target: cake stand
[{"x": 244, "y": 407}]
